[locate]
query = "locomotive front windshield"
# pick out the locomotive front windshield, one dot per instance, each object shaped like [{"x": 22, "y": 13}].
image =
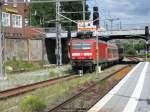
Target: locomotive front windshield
[
  {"x": 86, "y": 46},
  {"x": 81, "y": 46}
]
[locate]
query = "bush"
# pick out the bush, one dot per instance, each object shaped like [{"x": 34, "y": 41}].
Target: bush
[
  {"x": 33, "y": 104},
  {"x": 131, "y": 51}
]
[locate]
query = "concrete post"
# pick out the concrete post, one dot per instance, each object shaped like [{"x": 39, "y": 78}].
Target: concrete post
[{"x": 29, "y": 49}]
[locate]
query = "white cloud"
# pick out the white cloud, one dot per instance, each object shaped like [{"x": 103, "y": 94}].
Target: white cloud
[{"x": 130, "y": 11}]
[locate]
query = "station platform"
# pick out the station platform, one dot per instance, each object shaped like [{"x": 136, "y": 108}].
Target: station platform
[{"x": 131, "y": 94}]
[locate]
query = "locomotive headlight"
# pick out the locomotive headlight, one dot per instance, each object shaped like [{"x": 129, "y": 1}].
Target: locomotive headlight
[
  {"x": 87, "y": 54},
  {"x": 75, "y": 54}
]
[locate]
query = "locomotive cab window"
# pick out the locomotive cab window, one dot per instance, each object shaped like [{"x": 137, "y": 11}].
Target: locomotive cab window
[
  {"x": 86, "y": 46},
  {"x": 76, "y": 46}
]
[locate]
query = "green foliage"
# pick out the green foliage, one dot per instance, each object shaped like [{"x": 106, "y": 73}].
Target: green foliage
[
  {"x": 41, "y": 14},
  {"x": 74, "y": 7},
  {"x": 20, "y": 65},
  {"x": 103, "y": 82},
  {"x": 131, "y": 51},
  {"x": 132, "y": 47},
  {"x": 140, "y": 46},
  {"x": 33, "y": 104},
  {"x": 53, "y": 73}
]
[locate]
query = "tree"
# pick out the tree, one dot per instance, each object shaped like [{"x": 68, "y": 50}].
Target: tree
[
  {"x": 140, "y": 46},
  {"x": 128, "y": 49},
  {"x": 41, "y": 14},
  {"x": 74, "y": 7}
]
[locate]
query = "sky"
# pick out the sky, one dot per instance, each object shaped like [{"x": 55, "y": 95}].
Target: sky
[{"x": 129, "y": 11}]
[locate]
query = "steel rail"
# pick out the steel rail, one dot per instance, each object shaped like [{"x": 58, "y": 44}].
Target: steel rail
[
  {"x": 84, "y": 90},
  {"x": 29, "y": 87}
]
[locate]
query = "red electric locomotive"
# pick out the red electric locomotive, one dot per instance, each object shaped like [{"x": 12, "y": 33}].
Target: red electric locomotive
[{"x": 83, "y": 55}]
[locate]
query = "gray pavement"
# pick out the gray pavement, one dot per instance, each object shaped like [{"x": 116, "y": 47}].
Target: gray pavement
[{"x": 131, "y": 94}]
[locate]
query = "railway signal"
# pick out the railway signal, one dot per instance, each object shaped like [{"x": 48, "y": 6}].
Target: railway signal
[
  {"x": 147, "y": 38},
  {"x": 147, "y": 32},
  {"x": 95, "y": 16}
]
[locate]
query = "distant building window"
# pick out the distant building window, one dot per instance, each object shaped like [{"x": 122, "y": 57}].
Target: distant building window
[
  {"x": 5, "y": 19},
  {"x": 15, "y": 3},
  {"x": 5, "y": 2},
  {"x": 17, "y": 21},
  {"x": 26, "y": 0}
]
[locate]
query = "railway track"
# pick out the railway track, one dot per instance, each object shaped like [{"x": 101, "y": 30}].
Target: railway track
[
  {"x": 87, "y": 97},
  {"x": 30, "y": 87},
  {"x": 27, "y": 88},
  {"x": 135, "y": 59}
]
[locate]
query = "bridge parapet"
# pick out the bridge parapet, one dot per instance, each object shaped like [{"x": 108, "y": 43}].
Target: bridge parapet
[
  {"x": 122, "y": 32},
  {"x": 51, "y": 33},
  {"x": 125, "y": 26}
]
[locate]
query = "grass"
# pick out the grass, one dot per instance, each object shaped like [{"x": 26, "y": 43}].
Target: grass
[
  {"x": 63, "y": 70},
  {"x": 148, "y": 59},
  {"x": 18, "y": 79},
  {"x": 103, "y": 82},
  {"x": 49, "y": 94},
  {"x": 21, "y": 66}
]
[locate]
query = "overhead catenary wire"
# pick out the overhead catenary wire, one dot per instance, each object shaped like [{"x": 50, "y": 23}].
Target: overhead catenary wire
[
  {"x": 42, "y": 1},
  {"x": 75, "y": 12}
]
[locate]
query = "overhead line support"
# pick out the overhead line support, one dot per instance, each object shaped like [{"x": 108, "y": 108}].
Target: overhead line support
[{"x": 45, "y": 1}]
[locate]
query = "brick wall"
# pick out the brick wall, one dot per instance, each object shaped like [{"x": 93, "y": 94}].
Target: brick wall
[
  {"x": 25, "y": 31},
  {"x": 20, "y": 9}
]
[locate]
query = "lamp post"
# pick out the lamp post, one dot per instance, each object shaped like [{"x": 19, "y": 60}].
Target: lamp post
[
  {"x": 1, "y": 64},
  {"x": 146, "y": 50},
  {"x": 2, "y": 46},
  {"x": 83, "y": 4}
]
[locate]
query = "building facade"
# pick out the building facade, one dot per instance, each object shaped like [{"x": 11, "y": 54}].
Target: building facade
[
  {"x": 22, "y": 42},
  {"x": 15, "y": 18}
]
